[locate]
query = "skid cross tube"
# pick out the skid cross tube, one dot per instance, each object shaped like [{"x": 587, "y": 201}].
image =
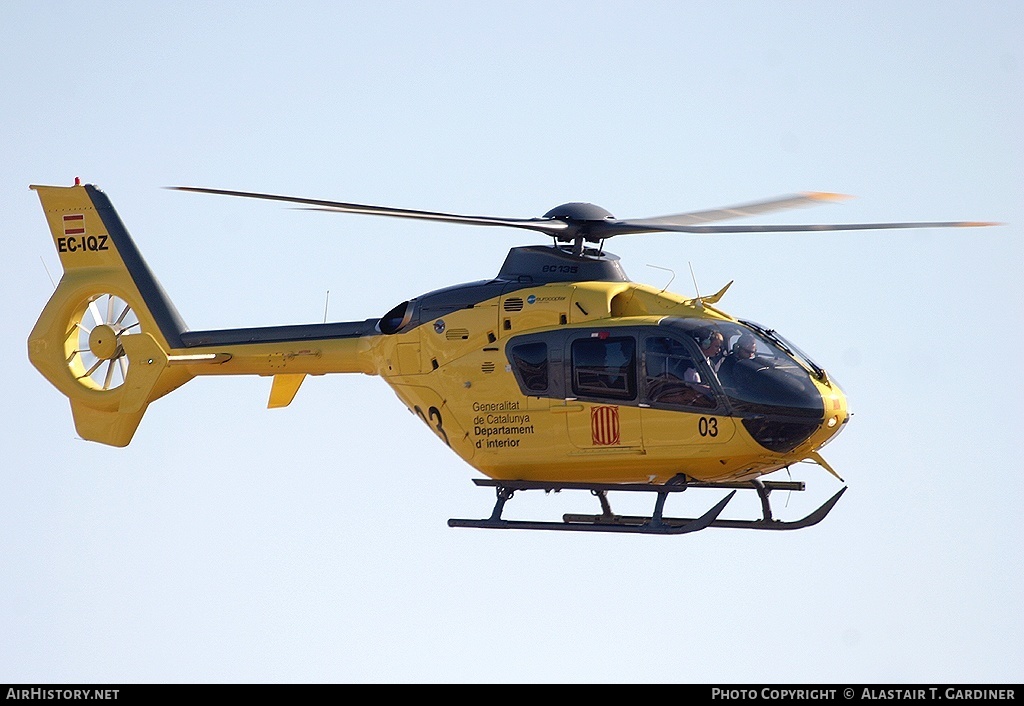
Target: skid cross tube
[{"x": 656, "y": 522}]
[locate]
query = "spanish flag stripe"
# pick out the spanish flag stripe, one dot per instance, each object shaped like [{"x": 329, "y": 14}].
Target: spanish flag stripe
[{"x": 74, "y": 224}]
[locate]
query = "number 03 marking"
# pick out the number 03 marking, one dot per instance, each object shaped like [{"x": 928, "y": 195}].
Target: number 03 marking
[
  {"x": 434, "y": 421},
  {"x": 708, "y": 426}
]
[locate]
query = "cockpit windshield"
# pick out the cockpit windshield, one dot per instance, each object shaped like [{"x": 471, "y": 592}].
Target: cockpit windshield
[
  {"x": 775, "y": 336},
  {"x": 758, "y": 370}
]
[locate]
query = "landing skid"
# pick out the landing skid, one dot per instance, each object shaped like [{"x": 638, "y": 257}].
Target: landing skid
[{"x": 656, "y": 522}]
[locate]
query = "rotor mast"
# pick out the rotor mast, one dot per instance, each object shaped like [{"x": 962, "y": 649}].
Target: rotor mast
[{"x": 581, "y": 220}]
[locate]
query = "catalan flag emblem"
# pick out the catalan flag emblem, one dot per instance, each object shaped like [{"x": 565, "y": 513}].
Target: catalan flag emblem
[
  {"x": 74, "y": 224},
  {"x": 604, "y": 425}
]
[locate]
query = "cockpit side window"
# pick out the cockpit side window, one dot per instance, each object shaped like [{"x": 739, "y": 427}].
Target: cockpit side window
[
  {"x": 530, "y": 361},
  {"x": 604, "y": 367},
  {"x": 672, "y": 377}
]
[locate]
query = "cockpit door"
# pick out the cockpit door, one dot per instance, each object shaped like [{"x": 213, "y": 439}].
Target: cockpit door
[{"x": 681, "y": 401}]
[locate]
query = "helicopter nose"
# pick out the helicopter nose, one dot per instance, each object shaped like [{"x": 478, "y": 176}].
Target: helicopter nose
[{"x": 837, "y": 414}]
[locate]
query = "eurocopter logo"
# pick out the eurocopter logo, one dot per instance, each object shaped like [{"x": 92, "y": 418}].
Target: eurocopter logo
[
  {"x": 604, "y": 425},
  {"x": 533, "y": 299}
]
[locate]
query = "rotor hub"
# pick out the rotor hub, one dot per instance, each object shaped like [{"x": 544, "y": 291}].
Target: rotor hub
[
  {"x": 103, "y": 342},
  {"x": 579, "y": 212}
]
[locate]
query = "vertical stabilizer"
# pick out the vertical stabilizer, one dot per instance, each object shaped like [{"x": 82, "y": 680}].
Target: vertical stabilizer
[{"x": 103, "y": 337}]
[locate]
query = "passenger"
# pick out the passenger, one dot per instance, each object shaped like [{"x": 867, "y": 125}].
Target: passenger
[{"x": 710, "y": 342}]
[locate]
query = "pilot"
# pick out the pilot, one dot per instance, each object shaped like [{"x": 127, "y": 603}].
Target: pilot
[{"x": 745, "y": 348}]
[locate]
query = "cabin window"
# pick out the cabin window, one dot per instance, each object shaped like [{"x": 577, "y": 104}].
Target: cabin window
[
  {"x": 672, "y": 376},
  {"x": 604, "y": 367},
  {"x": 530, "y": 361}
]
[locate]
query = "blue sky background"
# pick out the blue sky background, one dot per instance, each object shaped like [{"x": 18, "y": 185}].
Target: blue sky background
[{"x": 230, "y": 543}]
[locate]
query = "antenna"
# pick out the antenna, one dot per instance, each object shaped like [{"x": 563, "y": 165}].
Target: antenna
[
  {"x": 48, "y": 271},
  {"x": 700, "y": 302},
  {"x": 326, "y": 302},
  {"x": 666, "y": 270}
]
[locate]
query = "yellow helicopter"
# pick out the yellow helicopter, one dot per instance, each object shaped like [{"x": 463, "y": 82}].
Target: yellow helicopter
[{"x": 557, "y": 374}]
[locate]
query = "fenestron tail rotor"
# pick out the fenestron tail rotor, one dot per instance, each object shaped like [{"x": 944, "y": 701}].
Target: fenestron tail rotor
[{"x": 93, "y": 347}]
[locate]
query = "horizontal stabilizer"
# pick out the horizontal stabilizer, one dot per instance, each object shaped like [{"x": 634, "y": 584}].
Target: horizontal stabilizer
[{"x": 284, "y": 388}]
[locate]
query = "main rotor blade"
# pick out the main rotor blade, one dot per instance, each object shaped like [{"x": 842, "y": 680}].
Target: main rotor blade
[
  {"x": 756, "y": 208},
  {"x": 626, "y": 227},
  {"x": 543, "y": 225}
]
